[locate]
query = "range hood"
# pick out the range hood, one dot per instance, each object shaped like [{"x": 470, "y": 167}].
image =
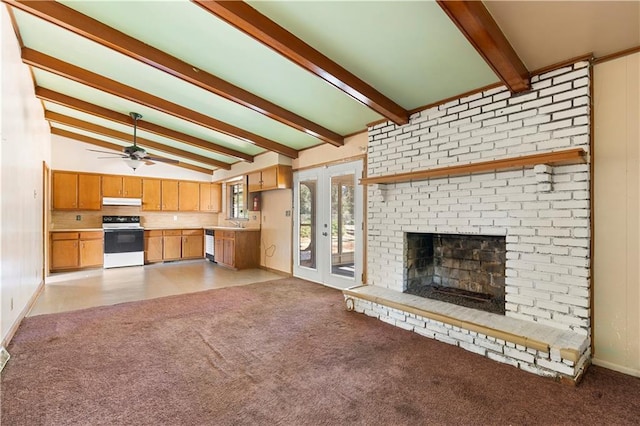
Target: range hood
[{"x": 116, "y": 201}]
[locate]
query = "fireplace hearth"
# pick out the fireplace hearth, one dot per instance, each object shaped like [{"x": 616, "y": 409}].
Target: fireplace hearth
[{"x": 467, "y": 270}]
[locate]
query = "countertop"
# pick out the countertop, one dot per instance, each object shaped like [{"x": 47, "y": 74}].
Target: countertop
[
  {"x": 155, "y": 228},
  {"x": 75, "y": 229}
]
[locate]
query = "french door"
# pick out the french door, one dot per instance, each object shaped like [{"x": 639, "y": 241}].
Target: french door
[{"x": 328, "y": 235}]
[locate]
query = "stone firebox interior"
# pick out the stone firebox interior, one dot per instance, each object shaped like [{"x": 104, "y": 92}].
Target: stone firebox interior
[
  {"x": 467, "y": 270},
  {"x": 542, "y": 210}
]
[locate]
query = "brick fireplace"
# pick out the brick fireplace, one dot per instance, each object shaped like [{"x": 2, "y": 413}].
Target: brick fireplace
[
  {"x": 466, "y": 270},
  {"x": 541, "y": 212}
]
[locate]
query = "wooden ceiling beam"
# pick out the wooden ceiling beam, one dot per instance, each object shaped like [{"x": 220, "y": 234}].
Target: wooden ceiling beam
[
  {"x": 55, "y": 117},
  {"x": 89, "y": 108},
  {"x": 40, "y": 60},
  {"x": 248, "y": 20},
  {"x": 85, "y": 26},
  {"x": 476, "y": 23},
  {"x": 107, "y": 145}
]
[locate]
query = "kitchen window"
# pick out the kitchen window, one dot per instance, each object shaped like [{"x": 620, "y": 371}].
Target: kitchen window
[{"x": 237, "y": 200}]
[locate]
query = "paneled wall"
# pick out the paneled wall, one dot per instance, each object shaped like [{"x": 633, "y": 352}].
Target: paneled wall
[
  {"x": 617, "y": 214},
  {"x": 24, "y": 146}
]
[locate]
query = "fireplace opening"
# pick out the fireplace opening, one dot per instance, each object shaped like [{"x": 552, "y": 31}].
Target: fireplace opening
[{"x": 467, "y": 270}]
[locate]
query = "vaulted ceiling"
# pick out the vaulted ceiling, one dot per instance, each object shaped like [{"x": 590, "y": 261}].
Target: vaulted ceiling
[{"x": 222, "y": 82}]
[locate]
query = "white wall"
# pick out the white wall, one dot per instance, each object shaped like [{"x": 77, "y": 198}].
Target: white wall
[
  {"x": 25, "y": 145},
  {"x": 617, "y": 214},
  {"x": 69, "y": 154}
]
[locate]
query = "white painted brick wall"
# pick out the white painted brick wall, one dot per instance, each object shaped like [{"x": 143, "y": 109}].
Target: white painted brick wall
[{"x": 546, "y": 219}]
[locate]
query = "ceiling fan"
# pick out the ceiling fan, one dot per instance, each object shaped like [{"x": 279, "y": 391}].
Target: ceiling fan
[{"x": 135, "y": 155}]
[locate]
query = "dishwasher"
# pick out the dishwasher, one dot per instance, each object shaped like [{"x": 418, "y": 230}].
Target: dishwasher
[{"x": 209, "y": 245}]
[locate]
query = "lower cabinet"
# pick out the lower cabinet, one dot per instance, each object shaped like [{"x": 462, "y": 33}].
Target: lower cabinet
[
  {"x": 173, "y": 244},
  {"x": 237, "y": 249},
  {"x": 192, "y": 243},
  {"x": 75, "y": 250},
  {"x": 172, "y": 241},
  {"x": 153, "y": 246}
]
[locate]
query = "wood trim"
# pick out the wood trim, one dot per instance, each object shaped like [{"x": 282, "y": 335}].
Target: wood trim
[
  {"x": 453, "y": 98},
  {"x": 88, "y": 78},
  {"x": 77, "y": 104},
  {"x": 248, "y": 20},
  {"x": 98, "y": 32},
  {"x": 558, "y": 65},
  {"x": 103, "y": 144},
  {"x": 617, "y": 55},
  {"x": 126, "y": 137},
  {"x": 353, "y": 158},
  {"x": 569, "y": 156},
  {"x": 30, "y": 304},
  {"x": 476, "y": 23}
]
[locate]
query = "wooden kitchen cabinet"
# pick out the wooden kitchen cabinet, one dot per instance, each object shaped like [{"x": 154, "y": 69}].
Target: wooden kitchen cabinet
[
  {"x": 64, "y": 251},
  {"x": 276, "y": 177},
  {"x": 188, "y": 196},
  {"x": 153, "y": 246},
  {"x": 210, "y": 197},
  {"x": 237, "y": 249},
  {"x": 192, "y": 243},
  {"x": 89, "y": 193},
  {"x": 169, "y": 195},
  {"x": 76, "y": 191},
  {"x": 75, "y": 250},
  {"x": 121, "y": 186},
  {"x": 64, "y": 189},
  {"x": 172, "y": 244},
  {"x": 91, "y": 249},
  {"x": 151, "y": 194}
]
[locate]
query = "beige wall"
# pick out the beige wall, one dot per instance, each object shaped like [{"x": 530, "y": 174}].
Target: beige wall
[
  {"x": 354, "y": 146},
  {"x": 617, "y": 215},
  {"x": 277, "y": 227}
]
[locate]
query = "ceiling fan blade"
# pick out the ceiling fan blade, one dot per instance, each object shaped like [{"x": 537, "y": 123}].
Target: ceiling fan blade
[
  {"x": 111, "y": 158},
  {"x": 104, "y": 152},
  {"x": 162, "y": 160}
]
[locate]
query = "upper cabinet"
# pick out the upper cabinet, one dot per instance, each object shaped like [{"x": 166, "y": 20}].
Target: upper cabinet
[
  {"x": 121, "y": 186},
  {"x": 76, "y": 191},
  {"x": 276, "y": 177},
  {"x": 169, "y": 195},
  {"x": 84, "y": 191},
  {"x": 210, "y": 197},
  {"x": 188, "y": 196},
  {"x": 151, "y": 194}
]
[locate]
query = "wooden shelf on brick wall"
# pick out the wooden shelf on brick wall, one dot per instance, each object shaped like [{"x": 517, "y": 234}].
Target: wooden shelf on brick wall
[{"x": 569, "y": 156}]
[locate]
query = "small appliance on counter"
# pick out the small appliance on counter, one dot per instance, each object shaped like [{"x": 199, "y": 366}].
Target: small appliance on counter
[{"x": 123, "y": 241}]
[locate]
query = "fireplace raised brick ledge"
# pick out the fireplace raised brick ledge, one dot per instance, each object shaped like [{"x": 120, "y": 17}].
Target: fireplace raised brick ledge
[
  {"x": 536, "y": 348},
  {"x": 542, "y": 210}
]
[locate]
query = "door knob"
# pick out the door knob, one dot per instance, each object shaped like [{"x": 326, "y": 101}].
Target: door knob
[{"x": 325, "y": 234}]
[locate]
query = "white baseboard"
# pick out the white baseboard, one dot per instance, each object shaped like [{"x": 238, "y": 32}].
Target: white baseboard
[{"x": 615, "y": 367}]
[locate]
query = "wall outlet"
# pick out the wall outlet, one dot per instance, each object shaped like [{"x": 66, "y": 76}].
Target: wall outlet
[
  {"x": 78, "y": 217},
  {"x": 287, "y": 213},
  {"x": 175, "y": 217}
]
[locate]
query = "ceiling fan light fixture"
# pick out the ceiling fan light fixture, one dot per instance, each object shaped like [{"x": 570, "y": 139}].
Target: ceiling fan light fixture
[{"x": 133, "y": 163}]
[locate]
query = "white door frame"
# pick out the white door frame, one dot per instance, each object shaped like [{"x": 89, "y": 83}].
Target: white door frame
[{"x": 322, "y": 273}]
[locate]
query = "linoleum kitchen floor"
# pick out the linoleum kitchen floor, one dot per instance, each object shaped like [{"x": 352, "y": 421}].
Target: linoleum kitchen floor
[{"x": 99, "y": 287}]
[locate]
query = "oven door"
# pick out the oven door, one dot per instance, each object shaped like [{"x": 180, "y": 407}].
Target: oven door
[{"x": 123, "y": 240}]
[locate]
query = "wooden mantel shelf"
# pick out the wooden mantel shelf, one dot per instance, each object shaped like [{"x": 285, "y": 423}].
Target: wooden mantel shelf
[{"x": 569, "y": 156}]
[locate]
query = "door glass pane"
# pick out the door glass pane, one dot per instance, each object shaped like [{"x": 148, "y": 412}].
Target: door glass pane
[
  {"x": 307, "y": 221},
  {"x": 342, "y": 225}
]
